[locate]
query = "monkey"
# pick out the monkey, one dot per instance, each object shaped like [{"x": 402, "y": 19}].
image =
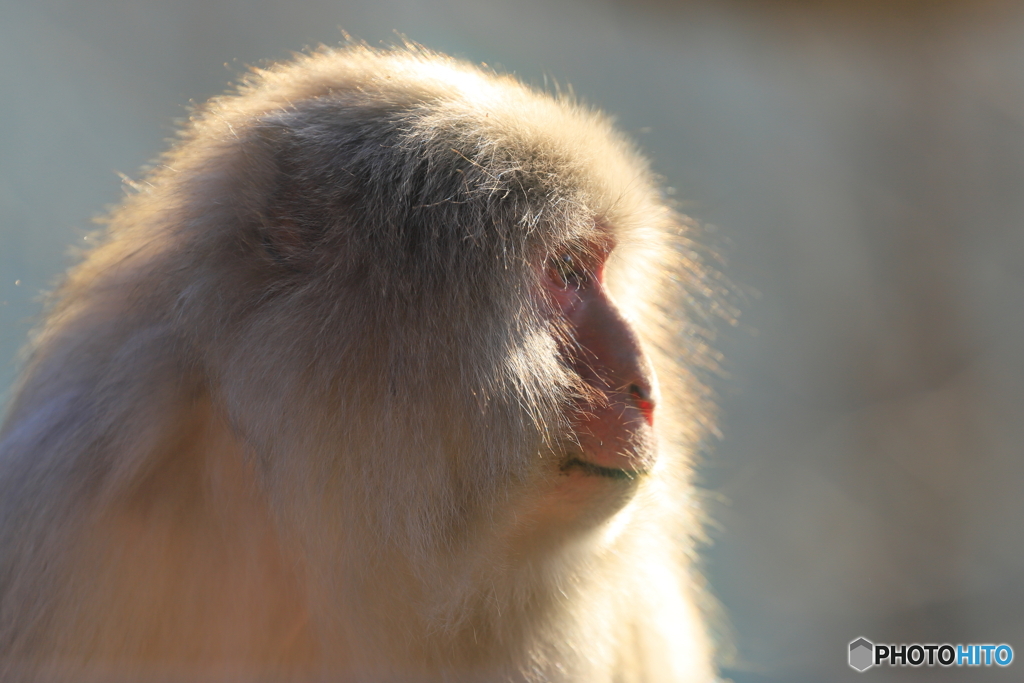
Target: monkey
[{"x": 383, "y": 372}]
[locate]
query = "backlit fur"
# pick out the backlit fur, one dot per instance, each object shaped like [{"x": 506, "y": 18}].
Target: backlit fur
[{"x": 288, "y": 419}]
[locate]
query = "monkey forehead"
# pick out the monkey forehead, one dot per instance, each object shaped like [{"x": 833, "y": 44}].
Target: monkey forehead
[{"x": 515, "y": 136}]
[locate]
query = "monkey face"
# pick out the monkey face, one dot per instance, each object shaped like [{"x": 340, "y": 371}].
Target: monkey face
[{"x": 613, "y": 420}]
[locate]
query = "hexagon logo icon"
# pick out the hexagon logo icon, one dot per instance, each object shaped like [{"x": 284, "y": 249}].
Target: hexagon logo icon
[{"x": 862, "y": 654}]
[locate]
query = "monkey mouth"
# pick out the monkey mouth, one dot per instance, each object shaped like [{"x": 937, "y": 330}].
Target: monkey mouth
[{"x": 589, "y": 468}]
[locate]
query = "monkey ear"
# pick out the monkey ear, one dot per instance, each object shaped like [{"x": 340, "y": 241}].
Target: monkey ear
[
  {"x": 281, "y": 231},
  {"x": 291, "y": 229},
  {"x": 284, "y": 240}
]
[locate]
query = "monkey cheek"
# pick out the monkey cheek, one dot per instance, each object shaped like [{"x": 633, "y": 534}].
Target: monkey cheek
[{"x": 616, "y": 437}]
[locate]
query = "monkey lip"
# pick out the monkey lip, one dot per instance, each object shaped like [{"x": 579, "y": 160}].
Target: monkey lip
[{"x": 589, "y": 468}]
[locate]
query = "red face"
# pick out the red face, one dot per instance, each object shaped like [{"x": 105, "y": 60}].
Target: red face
[{"x": 614, "y": 427}]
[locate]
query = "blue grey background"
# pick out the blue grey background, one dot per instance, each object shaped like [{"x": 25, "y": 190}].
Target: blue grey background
[{"x": 863, "y": 164}]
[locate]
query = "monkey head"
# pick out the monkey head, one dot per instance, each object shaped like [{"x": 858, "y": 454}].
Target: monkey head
[{"x": 427, "y": 264}]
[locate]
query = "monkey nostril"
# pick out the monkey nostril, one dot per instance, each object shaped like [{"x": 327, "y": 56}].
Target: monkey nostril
[
  {"x": 637, "y": 392},
  {"x": 643, "y": 401}
]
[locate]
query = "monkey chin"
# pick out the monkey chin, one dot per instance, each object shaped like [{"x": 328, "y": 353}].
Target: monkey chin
[
  {"x": 582, "y": 493},
  {"x": 576, "y": 498},
  {"x": 572, "y": 499}
]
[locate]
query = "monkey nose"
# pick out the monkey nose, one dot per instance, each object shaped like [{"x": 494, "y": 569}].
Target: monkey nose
[{"x": 644, "y": 403}]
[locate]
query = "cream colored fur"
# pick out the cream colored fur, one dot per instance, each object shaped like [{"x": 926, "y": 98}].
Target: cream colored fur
[{"x": 299, "y": 416}]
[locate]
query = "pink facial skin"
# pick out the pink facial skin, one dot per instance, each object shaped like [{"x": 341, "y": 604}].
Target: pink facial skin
[{"x": 616, "y": 434}]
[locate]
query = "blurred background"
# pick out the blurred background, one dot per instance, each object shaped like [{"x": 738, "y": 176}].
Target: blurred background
[{"x": 862, "y": 165}]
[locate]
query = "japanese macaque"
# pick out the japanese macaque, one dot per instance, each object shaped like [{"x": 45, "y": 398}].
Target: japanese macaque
[{"x": 381, "y": 374}]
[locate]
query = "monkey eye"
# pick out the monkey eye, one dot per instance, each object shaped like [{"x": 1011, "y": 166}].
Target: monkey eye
[{"x": 570, "y": 271}]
